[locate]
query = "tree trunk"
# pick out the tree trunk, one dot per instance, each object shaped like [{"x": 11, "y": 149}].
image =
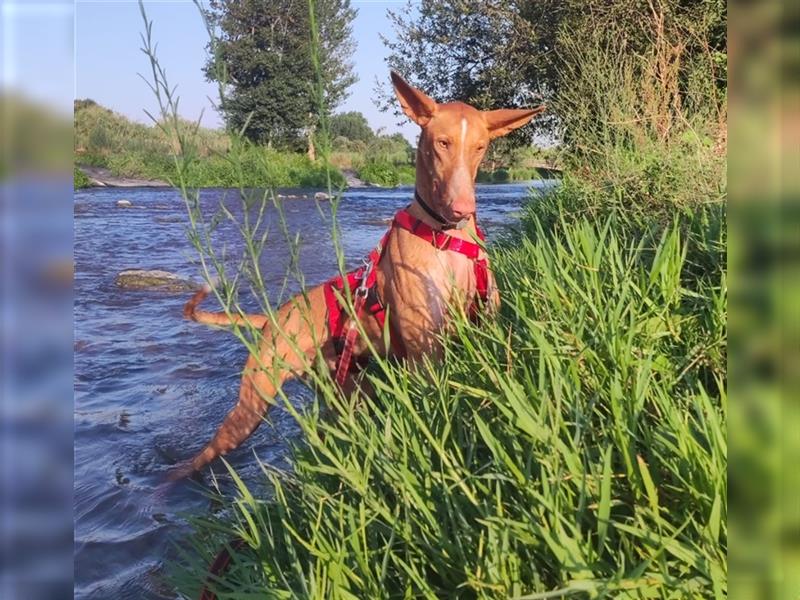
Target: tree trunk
[{"x": 312, "y": 152}]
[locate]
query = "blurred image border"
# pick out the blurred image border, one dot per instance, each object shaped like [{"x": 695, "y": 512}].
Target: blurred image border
[
  {"x": 36, "y": 408},
  {"x": 764, "y": 217}
]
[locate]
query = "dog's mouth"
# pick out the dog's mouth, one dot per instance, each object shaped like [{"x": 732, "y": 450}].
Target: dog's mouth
[
  {"x": 444, "y": 213},
  {"x": 453, "y": 219}
]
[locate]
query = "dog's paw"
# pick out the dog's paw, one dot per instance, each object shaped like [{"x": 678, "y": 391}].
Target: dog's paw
[{"x": 180, "y": 471}]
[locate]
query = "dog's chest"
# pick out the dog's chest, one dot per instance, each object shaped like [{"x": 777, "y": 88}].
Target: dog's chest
[{"x": 415, "y": 268}]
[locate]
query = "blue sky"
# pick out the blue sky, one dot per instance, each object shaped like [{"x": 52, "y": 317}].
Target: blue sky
[{"x": 108, "y": 59}]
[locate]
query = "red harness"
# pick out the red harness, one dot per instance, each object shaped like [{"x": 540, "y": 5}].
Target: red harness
[{"x": 362, "y": 284}]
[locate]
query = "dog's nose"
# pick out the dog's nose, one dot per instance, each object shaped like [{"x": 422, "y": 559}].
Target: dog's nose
[{"x": 462, "y": 208}]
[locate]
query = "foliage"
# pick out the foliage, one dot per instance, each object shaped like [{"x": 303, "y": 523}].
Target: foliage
[
  {"x": 516, "y": 53},
  {"x": 483, "y": 52},
  {"x": 669, "y": 91},
  {"x": 334, "y": 22},
  {"x": 106, "y": 139},
  {"x": 388, "y": 160},
  {"x": 575, "y": 444},
  {"x": 100, "y": 134},
  {"x": 350, "y": 125},
  {"x": 262, "y": 55},
  {"x": 641, "y": 137},
  {"x": 384, "y": 173},
  {"x": 79, "y": 179}
]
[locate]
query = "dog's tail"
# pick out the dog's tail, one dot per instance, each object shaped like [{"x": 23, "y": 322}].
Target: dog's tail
[{"x": 191, "y": 312}]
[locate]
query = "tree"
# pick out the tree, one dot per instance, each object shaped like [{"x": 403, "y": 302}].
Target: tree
[
  {"x": 483, "y": 52},
  {"x": 262, "y": 53},
  {"x": 351, "y": 125},
  {"x": 335, "y": 23},
  {"x": 494, "y": 53}
]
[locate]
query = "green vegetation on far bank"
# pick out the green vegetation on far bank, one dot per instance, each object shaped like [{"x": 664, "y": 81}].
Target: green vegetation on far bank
[
  {"x": 129, "y": 149},
  {"x": 79, "y": 178}
]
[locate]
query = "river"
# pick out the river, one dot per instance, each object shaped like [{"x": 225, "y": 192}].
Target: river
[{"x": 151, "y": 387}]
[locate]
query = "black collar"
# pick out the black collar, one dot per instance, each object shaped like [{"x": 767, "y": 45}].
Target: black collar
[{"x": 444, "y": 223}]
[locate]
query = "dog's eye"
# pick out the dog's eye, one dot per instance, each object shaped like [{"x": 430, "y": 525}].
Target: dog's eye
[
  {"x": 480, "y": 148},
  {"x": 444, "y": 144}
]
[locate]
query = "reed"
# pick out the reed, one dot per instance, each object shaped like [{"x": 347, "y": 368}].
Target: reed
[{"x": 574, "y": 444}]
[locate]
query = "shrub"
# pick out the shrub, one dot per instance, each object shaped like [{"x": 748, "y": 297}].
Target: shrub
[
  {"x": 483, "y": 176},
  {"x": 406, "y": 174},
  {"x": 501, "y": 176},
  {"x": 644, "y": 129},
  {"x": 379, "y": 173},
  {"x": 351, "y": 126},
  {"x": 79, "y": 179}
]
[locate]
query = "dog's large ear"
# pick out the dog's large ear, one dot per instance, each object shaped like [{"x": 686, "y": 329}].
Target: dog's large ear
[
  {"x": 417, "y": 106},
  {"x": 505, "y": 120}
]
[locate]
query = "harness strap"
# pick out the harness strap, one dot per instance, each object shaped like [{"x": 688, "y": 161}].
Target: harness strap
[
  {"x": 362, "y": 283},
  {"x": 439, "y": 239}
]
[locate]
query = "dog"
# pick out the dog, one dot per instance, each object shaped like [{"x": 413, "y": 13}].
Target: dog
[{"x": 430, "y": 262}]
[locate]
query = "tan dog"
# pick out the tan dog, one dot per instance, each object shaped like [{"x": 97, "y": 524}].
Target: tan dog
[{"x": 418, "y": 282}]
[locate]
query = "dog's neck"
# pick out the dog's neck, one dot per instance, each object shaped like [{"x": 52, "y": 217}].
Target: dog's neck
[
  {"x": 416, "y": 210},
  {"x": 428, "y": 215}
]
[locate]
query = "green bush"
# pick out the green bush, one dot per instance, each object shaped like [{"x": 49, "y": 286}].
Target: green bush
[
  {"x": 501, "y": 176},
  {"x": 351, "y": 126},
  {"x": 79, "y": 179},
  {"x": 386, "y": 174},
  {"x": 483, "y": 176},
  {"x": 379, "y": 173},
  {"x": 130, "y": 149},
  {"x": 406, "y": 174}
]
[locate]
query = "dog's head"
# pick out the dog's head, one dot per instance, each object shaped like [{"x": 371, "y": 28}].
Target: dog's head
[{"x": 452, "y": 145}]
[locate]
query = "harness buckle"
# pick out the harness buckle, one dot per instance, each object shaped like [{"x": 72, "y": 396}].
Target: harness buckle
[{"x": 362, "y": 290}]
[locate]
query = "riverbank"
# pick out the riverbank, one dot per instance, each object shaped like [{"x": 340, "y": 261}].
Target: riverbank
[
  {"x": 113, "y": 151},
  {"x": 86, "y": 177},
  {"x": 100, "y": 177},
  {"x": 555, "y": 447}
]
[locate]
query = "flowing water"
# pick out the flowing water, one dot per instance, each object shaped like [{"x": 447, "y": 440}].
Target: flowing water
[{"x": 151, "y": 387}]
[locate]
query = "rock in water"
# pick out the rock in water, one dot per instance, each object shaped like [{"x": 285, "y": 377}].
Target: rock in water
[
  {"x": 322, "y": 196},
  {"x": 124, "y": 203},
  {"x": 165, "y": 281}
]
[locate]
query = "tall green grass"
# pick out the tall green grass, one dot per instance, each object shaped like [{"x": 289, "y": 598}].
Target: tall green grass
[
  {"x": 572, "y": 444},
  {"x": 576, "y": 443},
  {"x": 79, "y": 179}
]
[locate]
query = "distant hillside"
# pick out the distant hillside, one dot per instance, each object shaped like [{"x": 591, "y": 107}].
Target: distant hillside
[
  {"x": 128, "y": 149},
  {"x": 104, "y": 138}
]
